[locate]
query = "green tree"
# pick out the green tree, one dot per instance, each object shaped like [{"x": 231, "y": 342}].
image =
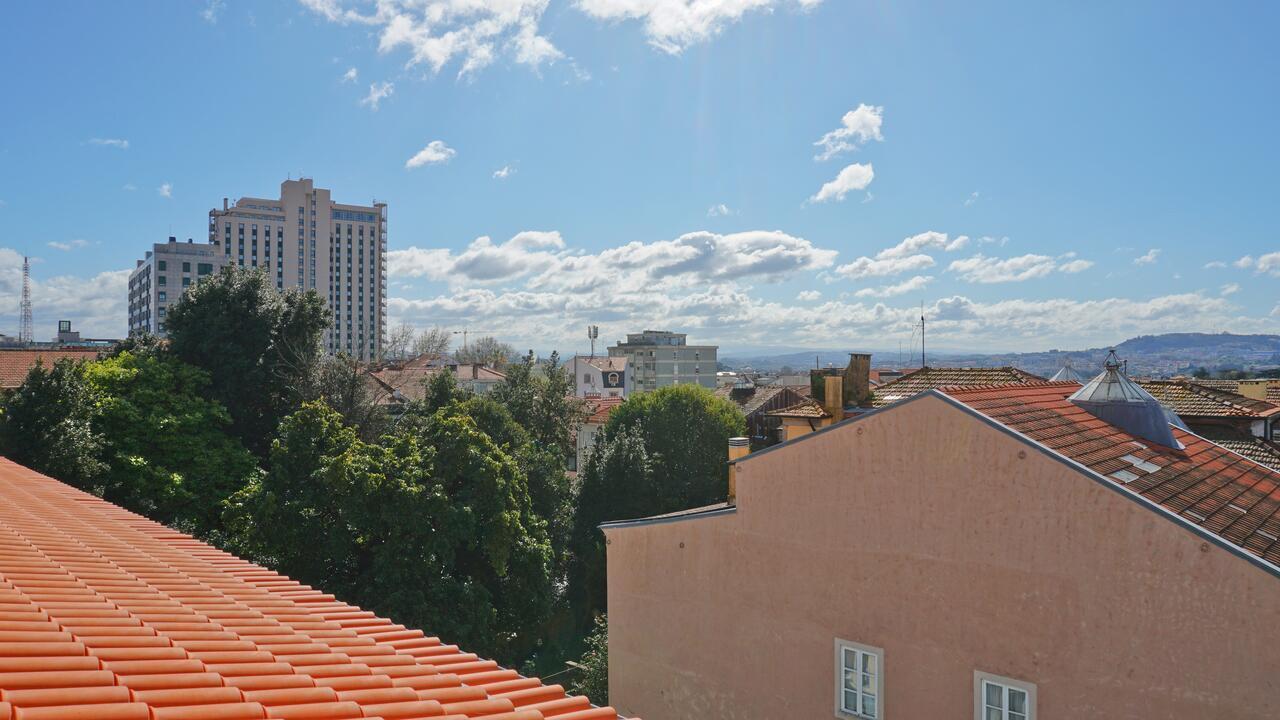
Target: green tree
[
  {"x": 166, "y": 451},
  {"x": 542, "y": 400},
  {"x": 486, "y": 351},
  {"x": 345, "y": 386},
  {"x": 659, "y": 452},
  {"x": 259, "y": 345},
  {"x": 433, "y": 527},
  {"x": 47, "y": 425},
  {"x": 594, "y": 666}
]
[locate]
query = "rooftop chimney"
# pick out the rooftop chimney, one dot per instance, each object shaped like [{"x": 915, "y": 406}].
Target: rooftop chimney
[
  {"x": 858, "y": 377},
  {"x": 833, "y": 396},
  {"x": 224, "y": 204},
  {"x": 739, "y": 447},
  {"x": 1114, "y": 398},
  {"x": 1256, "y": 389},
  {"x": 173, "y": 239}
]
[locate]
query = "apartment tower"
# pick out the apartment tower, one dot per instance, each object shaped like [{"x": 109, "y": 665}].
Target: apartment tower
[
  {"x": 161, "y": 276},
  {"x": 304, "y": 239},
  {"x": 657, "y": 358}
]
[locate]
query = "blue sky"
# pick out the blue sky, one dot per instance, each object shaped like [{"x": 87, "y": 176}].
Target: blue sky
[{"x": 1037, "y": 176}]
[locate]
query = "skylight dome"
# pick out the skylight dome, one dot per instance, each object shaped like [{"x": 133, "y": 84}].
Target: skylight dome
[{"x": 1114, "y": 398}]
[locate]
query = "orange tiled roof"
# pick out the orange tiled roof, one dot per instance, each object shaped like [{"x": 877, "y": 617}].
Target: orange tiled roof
[
  {"x": 1188, "y": 399},
  {"x": 807, "y": 409},
  {"x": 1222, "y": 492},
  {"x": 1272, "y": 393},
  {"x": 929, "y": 378},
  {"x": 15, "y": 364},
  {"x": 600, "y": 408},
  {"x": 105, "y": 615}
]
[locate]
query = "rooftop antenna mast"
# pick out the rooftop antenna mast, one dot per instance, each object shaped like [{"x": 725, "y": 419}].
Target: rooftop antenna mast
[
  {"x": 25, "y": 335},
  {"x": 593, "y": 332},
  {"x": 922, "y": 333}
]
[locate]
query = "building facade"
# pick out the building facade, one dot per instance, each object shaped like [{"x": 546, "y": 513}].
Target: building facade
[
  {"x": 303, "y": 239},
  {"x": 162, "y": 275},
  {"x": 657, "y": 358},
  {"x": 973, "y": 554},
  {"x": 600, "y": 376}
]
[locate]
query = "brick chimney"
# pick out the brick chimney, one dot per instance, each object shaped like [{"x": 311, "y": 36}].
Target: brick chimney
[
  {"x": 739, "y": 447},
  {"x": 857, "y": 378},
  {"x": 833, "y": 396}
]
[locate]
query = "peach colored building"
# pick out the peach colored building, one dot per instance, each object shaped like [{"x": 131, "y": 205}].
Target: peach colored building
[{"x": 999, "y": 553}]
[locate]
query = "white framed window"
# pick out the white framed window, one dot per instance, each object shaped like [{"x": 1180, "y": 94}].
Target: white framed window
[
  {"x": 859, "y": 681},
  {"x": 1002, "y": 698}
]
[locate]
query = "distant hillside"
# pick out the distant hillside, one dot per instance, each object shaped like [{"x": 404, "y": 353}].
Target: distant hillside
[{"x": 1154, "y": 355}]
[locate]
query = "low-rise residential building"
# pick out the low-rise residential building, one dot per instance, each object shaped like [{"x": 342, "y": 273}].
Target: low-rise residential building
[
  {"x": 934, "y": 378},
  {"x": 600, "y": 375},
  {"x": 758, "y": 404},
  {"x": 658, "y": 358},
  {"x": 396, "y": 384},
  {"x": 1029, "y": 551},
  {"x": 598, "y": 410},
  {"x": 1245, "y": 425},
  {"x": 15, "y": 363},
  {"x": 160, "y": 278}
]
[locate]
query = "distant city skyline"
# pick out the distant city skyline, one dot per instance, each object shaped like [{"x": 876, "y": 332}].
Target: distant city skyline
[{"x": 756, "y": 174}]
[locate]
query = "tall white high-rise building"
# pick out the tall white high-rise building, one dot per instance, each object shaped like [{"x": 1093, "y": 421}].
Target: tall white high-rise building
[{"x": 303, "y": 239}]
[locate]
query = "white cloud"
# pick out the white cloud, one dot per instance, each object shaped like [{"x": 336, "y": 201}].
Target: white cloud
[
  {"x": 853, "y": 177},
  {"x": 504, "y": 172},
  {"x": 68, "y": 246},
  {"x": 351, "y": 75},
  {"x": 1268, "y": 264},
  {"x": 1229, "y": 289},
  {"x": 1149, "y": 258},
  {"x": 973, "y": 198},
  {"x": 903, "y": 257},
  {"x": 857, "y": 127},
  {"x": 720, "y": 210},
  {"x": 1275, "y": 311},
  {"x": 542, "y": 258},
  {"x": 982, "y": 269},
  {"x": 110, "y": 142},
  {"x": 211, "y": 10},
  {"x": 165, "y": 190},
  {"x": 377, "y": 93},
  {"x": 1075, "y": 266},
  {"x": 1214, "y": 265},
  {"x": 808, "y": 295},
  {"x": 988, "y": 240},
  {"x": 434, "y": 153},
  {"x": 906, "y": 286},
  {"x": 1244, "y": 262},
  {"x": 129, "y": 187},
  {"x": 673, "y": 25},
  {"x": 97, "y": 306}
]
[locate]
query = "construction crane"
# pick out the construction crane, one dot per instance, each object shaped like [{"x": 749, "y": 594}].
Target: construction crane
[{"x": 465, "y": 332}]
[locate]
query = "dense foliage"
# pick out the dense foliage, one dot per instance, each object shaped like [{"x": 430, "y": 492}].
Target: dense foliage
[
  {"x": 456, "y": 515},
  {"x": 259, "y": 345}
]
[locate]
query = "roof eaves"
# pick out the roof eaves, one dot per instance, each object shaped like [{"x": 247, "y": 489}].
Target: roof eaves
[{"x": 717, "y": 510}]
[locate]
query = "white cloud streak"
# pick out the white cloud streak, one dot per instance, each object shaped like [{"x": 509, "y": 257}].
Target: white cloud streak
[
  {"x": 435, "y": 153},
  {"x": 1149, "y": 258},
  {"x": 919, "y": 282},
  {"x": 118, "y": 143},
  {"x": 351, "y": 75},
  {"x": 165, "y": 190},
  {"x": 378, "y": 92},
  {"x": 852, "y": 177},
  {"x": 504, "y": 172},
  {"x": 674, "y": 25},
  {"x": 857, "y": 127}
]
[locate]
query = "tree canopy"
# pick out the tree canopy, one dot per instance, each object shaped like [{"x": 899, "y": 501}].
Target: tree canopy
[
  {"x": 48, "y": 425},
  {"x": 259, "y": 345}
]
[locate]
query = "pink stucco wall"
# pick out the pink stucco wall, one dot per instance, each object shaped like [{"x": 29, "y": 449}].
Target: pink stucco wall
[{"x": 955, "y": 548}]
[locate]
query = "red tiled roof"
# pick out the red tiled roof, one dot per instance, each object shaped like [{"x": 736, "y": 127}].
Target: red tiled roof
[
  {"x": 15, "y": 364},
  {"x": 1194, "y": 400},
  {"x": 600, "y": 408},
  {"x": 1272, "y": 390},
  {"x": 410, "y": 380},
  {"x": 1220, "y": 491},
  {"x": 929, "y": 378},
  {"x": 105, "y": 615}
]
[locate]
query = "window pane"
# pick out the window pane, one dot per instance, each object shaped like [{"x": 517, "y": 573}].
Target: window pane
[
  {"x": 1016, "y": 716},
  {"x": 1017, "y": 701},
  {"x": 993, "y": 714},
  {"x": 850, "y": 701},
  {"x": 850, "y": 659},
  {"x": 994, "y": 697},
  {"x": 868, "y": 683},
  {"x": 869, "y": 706},
  {"x": 868, "y": 662}
]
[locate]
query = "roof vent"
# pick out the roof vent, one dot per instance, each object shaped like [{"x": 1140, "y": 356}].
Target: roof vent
[
  {"x": 1114, "y": 398},
  {"x": 1067, "y": 374}
]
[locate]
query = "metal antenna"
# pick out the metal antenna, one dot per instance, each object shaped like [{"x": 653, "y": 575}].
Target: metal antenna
[
  {"x": 922, "y": 333},
  {"x": 25, "y": 335},
  {"x": 593, "y": 332}
]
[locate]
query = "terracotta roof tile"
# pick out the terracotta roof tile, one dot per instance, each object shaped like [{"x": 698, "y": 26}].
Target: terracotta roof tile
[
  {"x": 600, "y": 408},
  {"x": 1222, "y": 492},
  {"x": 15, "y": 364},
  {"x": 106, "y": 615},
  {"x": 928, "y": 378},
  {"x": 808, "y": 409},
  {"x": 1188, "y": 399},
  {"x": 749, "y": 400}
]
